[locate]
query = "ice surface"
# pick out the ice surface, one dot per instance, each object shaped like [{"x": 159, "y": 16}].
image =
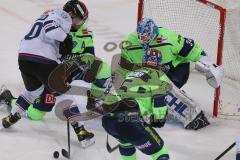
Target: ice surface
[{"x": 111, "y": 20}]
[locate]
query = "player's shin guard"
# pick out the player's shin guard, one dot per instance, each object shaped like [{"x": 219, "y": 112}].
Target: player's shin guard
[
  {"x": 153, "y": 145},
  {"x": 127, "y": 151},
  {"x": 22, "y": 105}
]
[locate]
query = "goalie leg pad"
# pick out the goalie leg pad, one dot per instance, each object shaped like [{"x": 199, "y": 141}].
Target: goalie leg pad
[{"x": 185, "y": 109}]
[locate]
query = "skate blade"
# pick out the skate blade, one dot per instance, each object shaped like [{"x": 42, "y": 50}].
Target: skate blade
[{"x": 87, "y": 143}]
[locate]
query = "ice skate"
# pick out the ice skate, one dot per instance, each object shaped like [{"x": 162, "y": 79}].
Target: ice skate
[
  {"x": 85, "y": 138},
  {"x": 10, "y": 120},
  {"x": 5, "y": 96}
]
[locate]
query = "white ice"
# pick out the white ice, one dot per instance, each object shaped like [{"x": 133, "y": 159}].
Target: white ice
[{"x": 111, "y": 20}]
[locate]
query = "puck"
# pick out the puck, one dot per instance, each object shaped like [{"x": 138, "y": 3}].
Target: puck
[{"x": 56, "y": 154}]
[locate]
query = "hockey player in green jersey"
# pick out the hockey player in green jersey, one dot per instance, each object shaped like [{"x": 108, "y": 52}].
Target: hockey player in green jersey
[
  {"x": 175, "y": 52},
  {"x": 139, "y": 107}
]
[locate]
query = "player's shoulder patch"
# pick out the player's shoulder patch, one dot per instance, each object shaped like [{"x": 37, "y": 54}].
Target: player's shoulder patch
[
  {"x": 125, "y": 44},
  {"x": 85, "y": 30},
  {"x": 161, "y": 39}
]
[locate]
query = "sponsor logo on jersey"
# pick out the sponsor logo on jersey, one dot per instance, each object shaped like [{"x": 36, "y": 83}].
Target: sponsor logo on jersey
[
  {"x": 85, "y": 31},
  {"x": 50, "y": 99},
  {"x": 144, "y": 146},
  {"x": 162, "y": 40}
]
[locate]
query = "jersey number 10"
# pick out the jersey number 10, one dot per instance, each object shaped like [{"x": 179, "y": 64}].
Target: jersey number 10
[{"x": 36, "y": 28}]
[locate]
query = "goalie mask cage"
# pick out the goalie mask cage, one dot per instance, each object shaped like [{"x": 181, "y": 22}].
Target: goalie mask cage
[{"x": 216, "y": 29}]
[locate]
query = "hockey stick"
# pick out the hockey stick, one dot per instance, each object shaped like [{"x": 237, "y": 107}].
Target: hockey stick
[
  {"x": 224, "y": 152},
  {"x": 109, "y": 148},
  {"x": 65, "y": 153}
]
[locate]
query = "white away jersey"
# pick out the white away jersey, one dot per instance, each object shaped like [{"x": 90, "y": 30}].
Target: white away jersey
[{"x": 46, "y": 33}]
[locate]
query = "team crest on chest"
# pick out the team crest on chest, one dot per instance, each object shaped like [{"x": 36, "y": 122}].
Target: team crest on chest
[{"x": 153, "y": 57}]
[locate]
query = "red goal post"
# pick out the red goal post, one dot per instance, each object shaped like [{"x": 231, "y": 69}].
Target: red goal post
[{"x": 194, "y": 11}]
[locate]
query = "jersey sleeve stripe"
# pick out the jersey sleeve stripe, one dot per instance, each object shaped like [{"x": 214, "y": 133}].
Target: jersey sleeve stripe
[
  {"x": 48, "y": 22},
  {"x": 49, "y": 25},
  {"x": 50, "y": 28}
]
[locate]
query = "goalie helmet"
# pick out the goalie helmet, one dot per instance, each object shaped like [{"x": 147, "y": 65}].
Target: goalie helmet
[
  {"x": 78, "y": 8},
  {"x": 147, "y": 30}
]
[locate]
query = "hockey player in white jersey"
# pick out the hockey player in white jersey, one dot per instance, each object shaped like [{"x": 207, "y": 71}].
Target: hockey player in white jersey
[
  {"x": 44, "y": 43},
  {"x": 78, "y": 24}
]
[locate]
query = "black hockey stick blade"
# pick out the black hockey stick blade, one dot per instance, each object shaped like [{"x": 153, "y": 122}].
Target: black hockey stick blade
[
  {"x": 224, "y": 152},
  {"x": 109, "y": 148},
  {"x": 65, "y": 153}
]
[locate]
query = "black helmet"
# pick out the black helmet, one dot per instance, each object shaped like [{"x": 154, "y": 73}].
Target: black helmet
[{"x": 78, "y": 8}]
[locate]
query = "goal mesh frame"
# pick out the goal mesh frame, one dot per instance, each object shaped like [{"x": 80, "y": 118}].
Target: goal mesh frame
[{"x": 222, "y": 21}]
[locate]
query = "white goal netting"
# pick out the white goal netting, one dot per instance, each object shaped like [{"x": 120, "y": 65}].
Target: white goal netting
[{"x": 200, "y": 21}]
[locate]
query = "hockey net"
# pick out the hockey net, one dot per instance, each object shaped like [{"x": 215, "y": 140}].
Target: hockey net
[{"x": 217, "y": 29}]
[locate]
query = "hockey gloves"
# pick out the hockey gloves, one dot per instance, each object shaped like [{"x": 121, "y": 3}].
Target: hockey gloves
[{"x": 66, "y": 46}]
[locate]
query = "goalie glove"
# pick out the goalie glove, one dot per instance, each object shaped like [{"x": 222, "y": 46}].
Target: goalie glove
[{"x": 213, "y": 72}]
